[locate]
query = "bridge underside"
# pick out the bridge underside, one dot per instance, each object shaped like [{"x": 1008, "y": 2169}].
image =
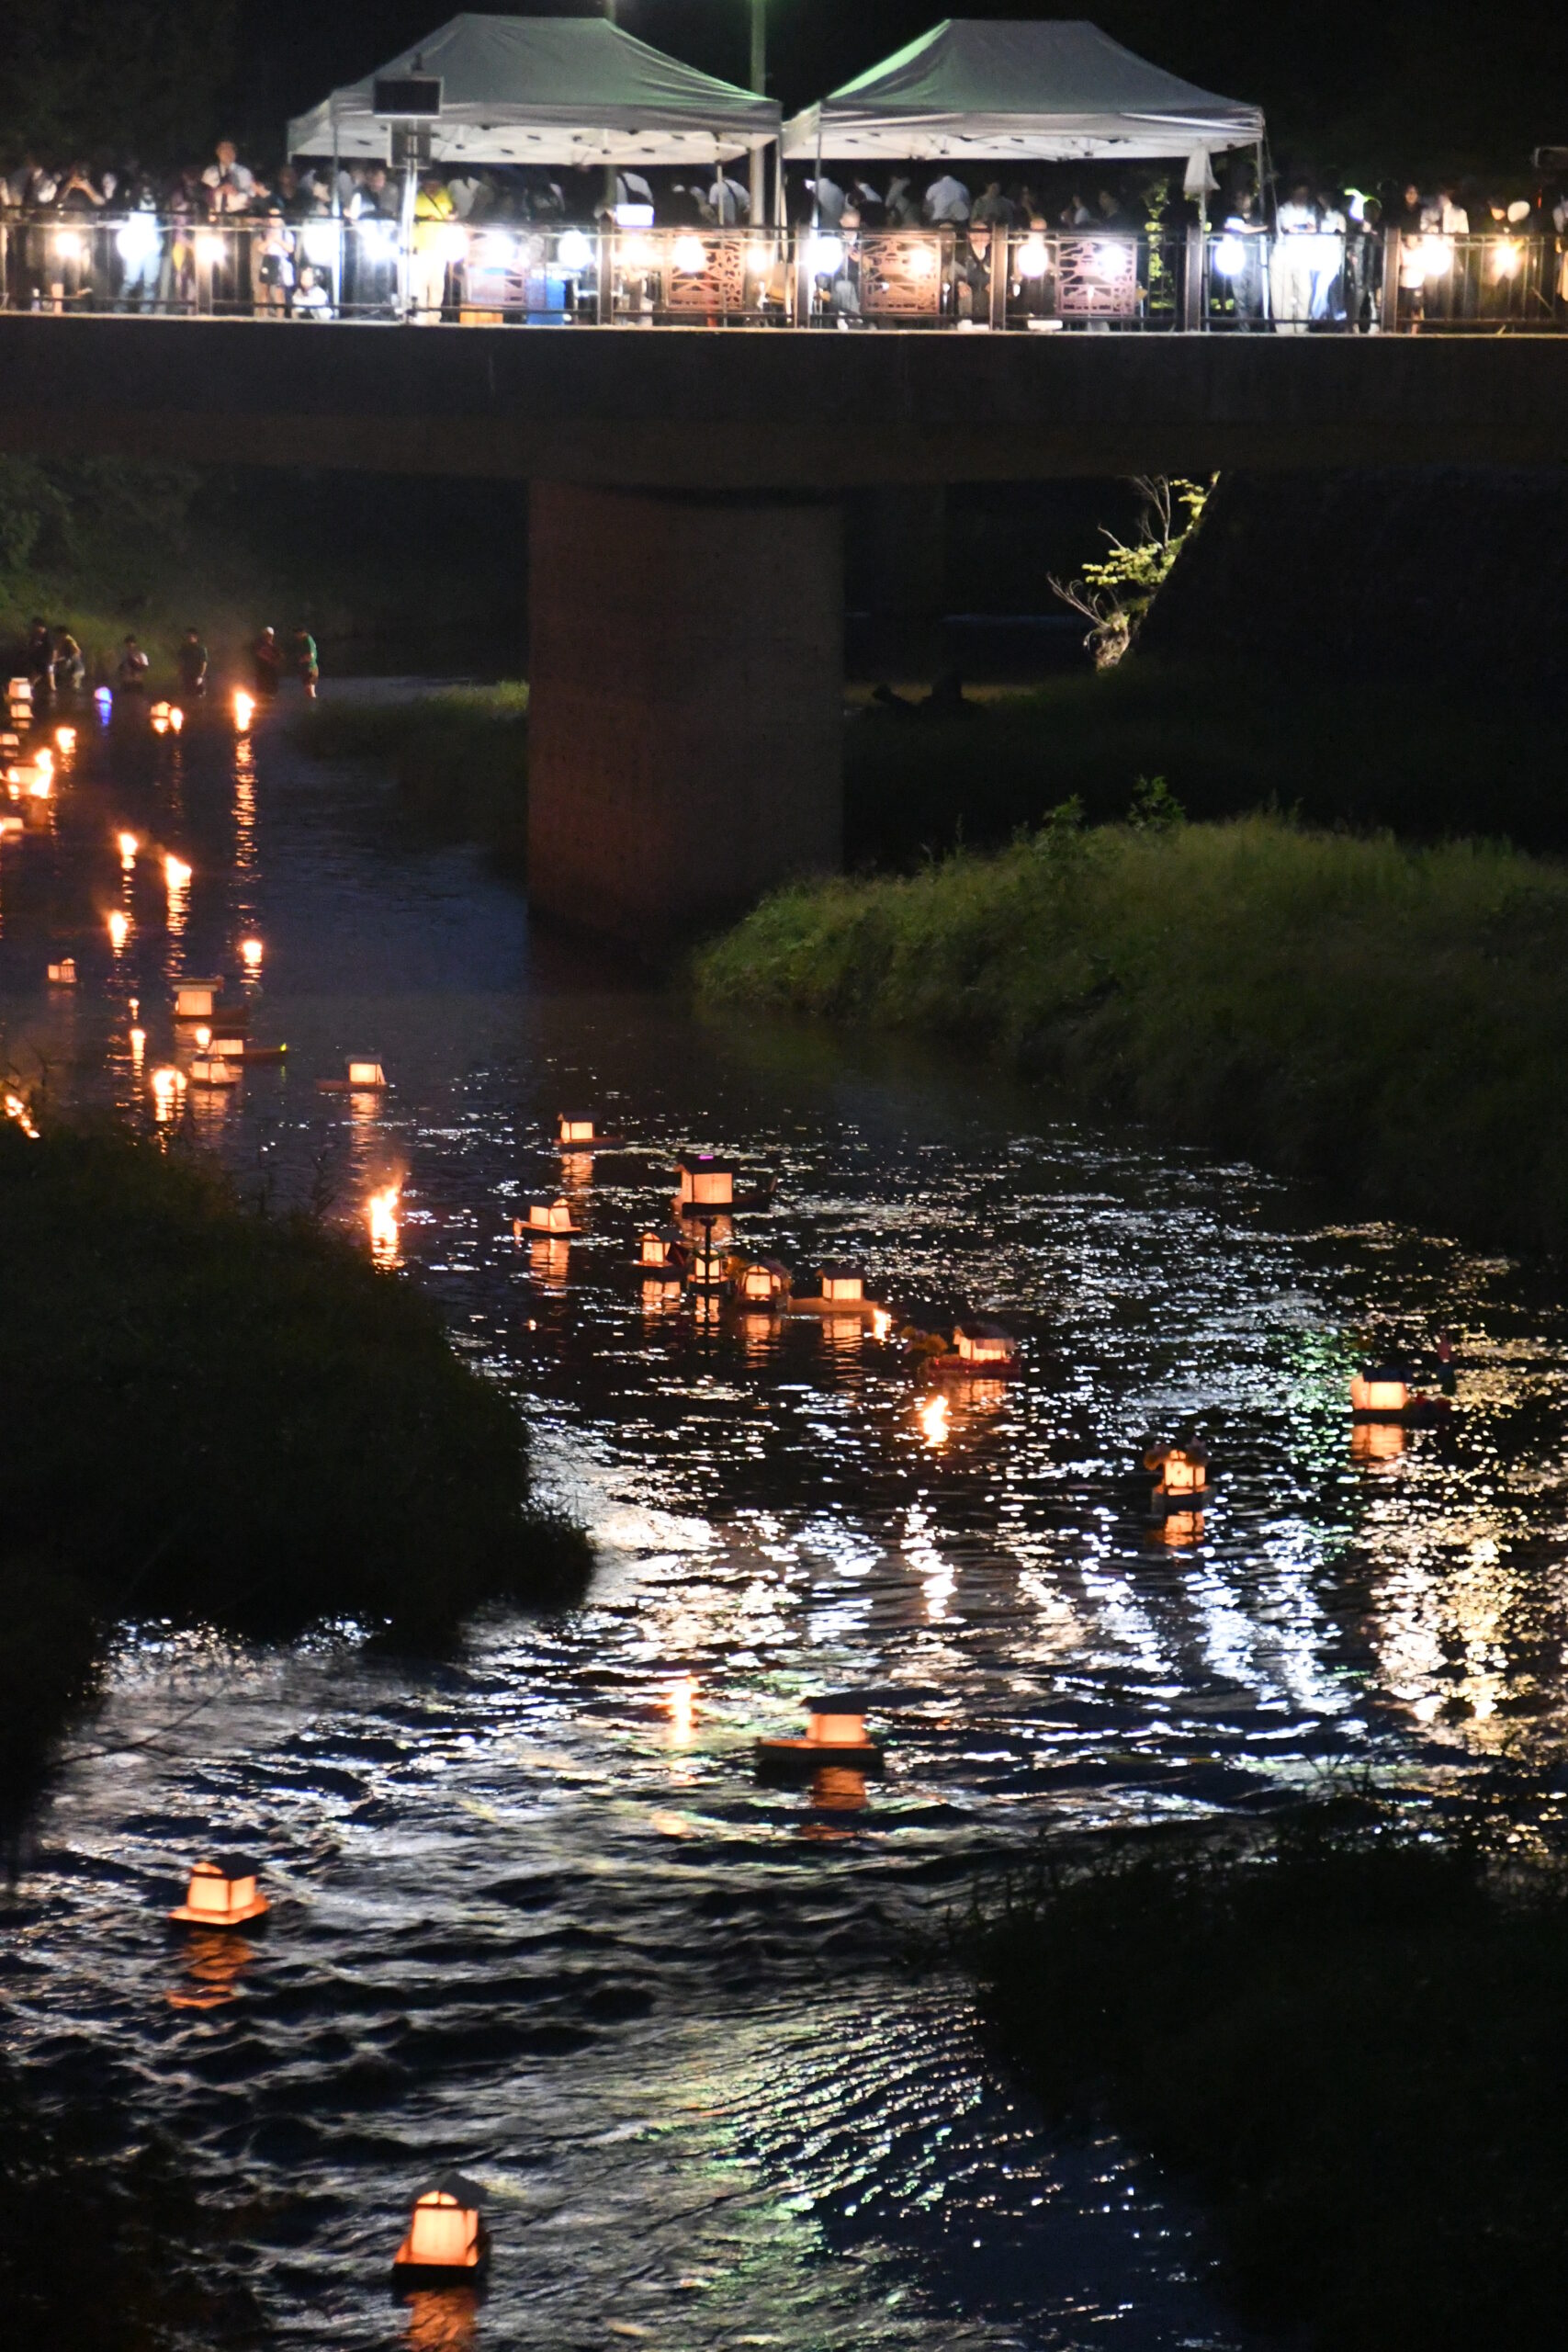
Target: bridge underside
[{"x": 687, "y": 562}]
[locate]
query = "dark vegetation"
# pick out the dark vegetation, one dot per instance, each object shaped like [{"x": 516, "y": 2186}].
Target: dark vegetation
[
  {"x": 1345, "y": 2033},
  {"x": 217, "y": 1416},
  {"x": 1388, "y": 1023},
  {"x": 106, "y": 2240},
  {"x": 459, "y": 757},
  {"x": 1426, "y": 763}
]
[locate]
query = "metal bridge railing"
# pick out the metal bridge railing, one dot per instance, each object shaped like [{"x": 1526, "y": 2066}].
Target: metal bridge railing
[{"x": 973, "y": 278}]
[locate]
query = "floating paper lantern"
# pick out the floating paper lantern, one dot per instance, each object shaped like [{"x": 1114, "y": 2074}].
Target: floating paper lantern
[
  {"x": 382, "y": 1216},
  {"x": 63, "y": 973},
  {"x": 551, "y": 1217},
  {"x": 762, "y": 1282},
  {"x": 843, "y": 1285},
  {"x": 1379, "y": 1393},
  {"x": 661, "y": 1246},
  {"x": 576, "y": 1131},
  {"x": 222, "y": 1892},
  {"x": 447, "y": 2238},
  {"x": 212, "y": 1070},
  {"x": 709, "y": 1267},
  {"x": 119, "y": 930},
  {"x": 251, "y": 954},
  {"x": 1183, "y": 1475},
  {"x": 244, "y": 710},
  {"x": 176, "y": 873},
  {"x": 160, "y": 718},
  {"x": 705, "y": 1182},
  {"x": 835, "y": 1734},
  {"x": 197, "y": 1000},
  {"x": 129, "y": 846},
  {"x": 991, "y": 1345},
  {"x": 364, "y": 1072},
  {"x": 65, "y": 740}
]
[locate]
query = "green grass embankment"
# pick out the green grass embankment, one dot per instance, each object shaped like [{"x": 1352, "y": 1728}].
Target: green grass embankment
[
  {"x": 228, "y": 1419},
  {"x": 1347, "y": 2038},
  {"x": 1388, "y": 1023},
  {"x": 459, "y": 758}
]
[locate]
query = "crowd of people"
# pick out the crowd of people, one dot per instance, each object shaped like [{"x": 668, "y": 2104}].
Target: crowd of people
[
  {"x": 56, "y": 667},
  {"x": 309, "y": 240}
]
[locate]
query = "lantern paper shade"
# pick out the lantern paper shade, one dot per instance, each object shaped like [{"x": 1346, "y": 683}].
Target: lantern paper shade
[
  {"x": 764, "y": 1282},
  {"x": 1183, "y": 1472},
  {"x": 447, "y": 2232},
  {"x": 214, "y": 1069},
  {"x": 661, "y": 1246},
  {"x": 985, "y": 1343},
  {"x": 362, "y": 1071},
  {"x": 1380, "y": 1392},
  {"x": 550, "y": 1217},
  {"x": 576, "y": 1130},
  {"x": 844, "y": 1283},
  {"x": 64, "y": 975},
  {"x": 706, "y": 1182},
  {"x": 222, "y": 1893},
  {"x": 197, "y": 1000},
  {"x": 835, "y": 1734}
]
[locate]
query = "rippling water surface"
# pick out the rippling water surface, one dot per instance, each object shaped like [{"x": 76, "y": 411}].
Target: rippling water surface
[{"x": 537, "y": 1916}]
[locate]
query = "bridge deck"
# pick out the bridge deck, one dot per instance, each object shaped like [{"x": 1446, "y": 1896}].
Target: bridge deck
[{"x": 688, "y": 409}]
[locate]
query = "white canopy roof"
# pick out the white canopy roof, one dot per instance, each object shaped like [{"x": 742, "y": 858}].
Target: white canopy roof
[
  {"x": 549, "y": 90},
  {"x": 986, "y": 88}
]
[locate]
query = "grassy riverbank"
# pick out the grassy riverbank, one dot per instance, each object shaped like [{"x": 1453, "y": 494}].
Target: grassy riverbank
[
  {"x": 1390, "y": 1023},
  {"x": 459, "y": 757},
  {"x": 1347, "y": 2040},
  {"x": 229, "y": 1418}
]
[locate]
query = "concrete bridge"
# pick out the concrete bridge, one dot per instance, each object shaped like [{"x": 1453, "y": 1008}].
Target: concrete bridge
[{"x": 686, "y": 560}]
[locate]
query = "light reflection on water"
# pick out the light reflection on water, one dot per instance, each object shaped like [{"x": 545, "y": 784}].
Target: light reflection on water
[{"x": 536, "y": 1915}]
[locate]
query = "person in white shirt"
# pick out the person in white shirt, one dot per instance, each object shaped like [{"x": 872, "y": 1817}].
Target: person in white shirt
[
  {"x": 827, "y": 201},
  {"x": 947, "y": 200},
  {"x": 729, "y": 200},
  {"x": 232, "y": 183},
  {"x": 1293, "y": 266}
]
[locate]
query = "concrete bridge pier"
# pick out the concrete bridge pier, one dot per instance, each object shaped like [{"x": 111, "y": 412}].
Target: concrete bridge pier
[{"x": 686, "y": 694}]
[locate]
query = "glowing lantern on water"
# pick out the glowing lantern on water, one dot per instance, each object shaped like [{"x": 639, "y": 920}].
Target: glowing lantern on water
[
  {"x": 845, "y": 1286},
  {"x": 881, "y": 1323},
  {"x": 19, "y": 694},
  {"x": 382, "y": 1216},
  {"x": 244, "y": 709},
  {"x": 203, "y": 1037},
  {"x": 706, "y": 1182},
  {"x": 550, "y": 1217},
  {"x": 761, "y": 1283},
  {"x": 366, "y": 1072},
  {"x": 991, "y": 1346},
  {"x": 835, "y": 1734},
  {"x": 65, "y": 740},
  {"x": 138, "y": 1046},
  {"x": 176, "y": 717},
  {"x": 251, "y": 954},
  {"x": 935, "y": 1417},
  {"x": 129, "y": 846},
  {"x": 1379, "y": 1394},
  {"x": 212, "y": 1069},
  {"x": 663, "y": 1247},
  {"x": 222, "y": 1893},
  {"x": 709, "y": 1269},
  {"x": 119, "y": 930},
  {"x": 197, "y": 1000},
  {"x": 63, "y": 973},
  {"x": 1183, "y": 1475},
  {"x": 446, "y": 2235},
  {"x": 159, "y": 716},
  {"x": 176, "y": 873},
  {"x": 168, "y": 1085},
  {"x": 575, "y": 1131}
]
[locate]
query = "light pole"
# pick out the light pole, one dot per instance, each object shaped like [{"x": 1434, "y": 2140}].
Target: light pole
[{"x": 760, "y": 84}]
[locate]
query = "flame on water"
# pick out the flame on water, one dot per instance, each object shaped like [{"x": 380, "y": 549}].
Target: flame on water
[
  {"x": 382, "y": 1216},
  {"x": 935, "y": 1417},
  {"x": 119, "y": 930},
  {"x": 244, "y": 710},
  {"x": 129, "y": 846},
  {"x": 168, "y": 1085},
  {"x": 681, "y": 1702},
  {"x": 176, "y": 873}
]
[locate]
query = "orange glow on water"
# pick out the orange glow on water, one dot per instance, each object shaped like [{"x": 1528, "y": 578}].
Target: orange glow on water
[
  {"x": 935, "y": 1417},
  {"x": 244, "y": 710},
  {"x": 683, "y": 1705},
  {"x": 129, "y": 846},
  {"x": 251, "y": 954},
  {"x": 382, "y": 1216},
  {"x": 119, "y": 930},
  {"x": 176, "y": 873}
]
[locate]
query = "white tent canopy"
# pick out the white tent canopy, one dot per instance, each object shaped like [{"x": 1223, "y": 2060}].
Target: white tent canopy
[
  {"x": 549, "y": 90},
  {"x": 993, "y": 90}
]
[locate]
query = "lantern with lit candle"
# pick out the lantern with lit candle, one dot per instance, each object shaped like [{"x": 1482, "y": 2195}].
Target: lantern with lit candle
[
  {"x": 843, "y": 1285},
  {"x": 709, "y": 1267},
  {"x": 214, "y": 1069},
  {"x": 981, "y": 1350},
  {"x": 1379, "y": 1393},
  {"x": 705, "y": 1182},
  {"x": 245, "y": 709},
  {"x": 197, "y": 1000},
  {"x": 160, "y": 718},
  {"x": 1183, "y": 1475},
  {"x": 251, "y": 954},
  {"x": 581, "y": 1135},
  {"x": 222, "y": 1892},
  {"x": 366, "y": 1076},
  {"x": 835, "y": 1734},
  {"x": 661, "y": 1246},
  {"x": 63, "y": 973},
  {"x": 764, "y": 1282},
  {"x": 447, "y": 2240},
  {"x": 551, "y": 1217}
]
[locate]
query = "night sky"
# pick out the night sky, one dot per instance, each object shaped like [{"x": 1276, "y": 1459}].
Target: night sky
[{"x": 1355, "y": 90}]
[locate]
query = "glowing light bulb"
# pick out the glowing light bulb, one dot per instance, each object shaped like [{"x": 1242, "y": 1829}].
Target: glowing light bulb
[
  {"x": 251, "y": 954},
  {"x": 119, "y": 930},
  {"x": 382, "y": 1216},
  {"x": 244, "y": 710},
  {"x": 129, "y": 846}
]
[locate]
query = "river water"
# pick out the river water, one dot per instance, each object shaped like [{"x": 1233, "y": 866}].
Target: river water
[{"x": 535, "y": 1915}]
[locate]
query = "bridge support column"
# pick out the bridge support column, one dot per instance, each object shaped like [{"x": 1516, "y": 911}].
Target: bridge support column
[{"x": 686, "y": 704}]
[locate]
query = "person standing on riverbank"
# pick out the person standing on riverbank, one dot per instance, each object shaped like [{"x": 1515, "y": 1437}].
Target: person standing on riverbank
[
  {"x": 307, "y": 662},
  {"x": 192, "y": 658}
]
